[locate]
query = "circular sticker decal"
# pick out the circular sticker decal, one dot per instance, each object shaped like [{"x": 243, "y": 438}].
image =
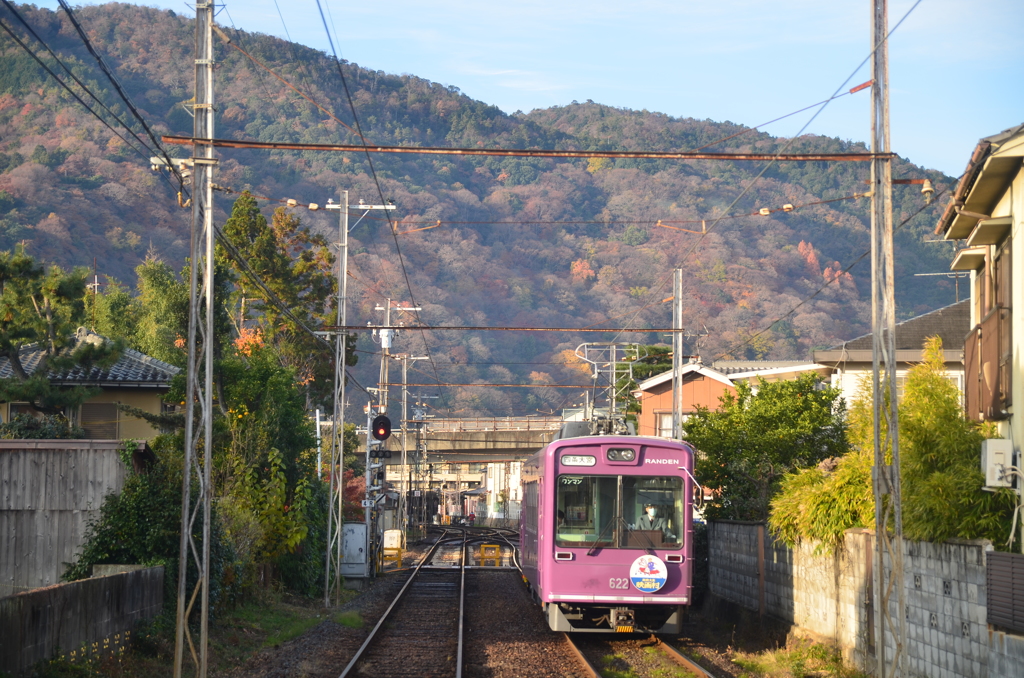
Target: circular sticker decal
[{"x": 648, "y": 573}]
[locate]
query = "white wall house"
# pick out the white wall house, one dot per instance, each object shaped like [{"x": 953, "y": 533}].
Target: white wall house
[{"x": 986, "y": 215}]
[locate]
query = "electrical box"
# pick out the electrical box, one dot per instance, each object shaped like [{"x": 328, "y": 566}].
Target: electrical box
[
  {"x": 394, "y": 539},
  {"x": 996, "y": 458},
  {"x": 353, "y": 550}
]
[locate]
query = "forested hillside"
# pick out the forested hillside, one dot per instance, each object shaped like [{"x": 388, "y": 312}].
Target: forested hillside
[{"x": 521, "y": 242}]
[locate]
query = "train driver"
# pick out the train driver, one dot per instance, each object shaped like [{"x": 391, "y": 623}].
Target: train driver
[{"x": 650, "y": 520}]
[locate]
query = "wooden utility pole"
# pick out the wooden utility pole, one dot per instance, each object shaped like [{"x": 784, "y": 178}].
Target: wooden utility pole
[{"x": 889, "y": 584}]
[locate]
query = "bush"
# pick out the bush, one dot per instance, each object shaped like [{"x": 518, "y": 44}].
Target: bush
[
  {"x": 50, "y": 426},
  {"x": 940, "y": 472},
  {"x": 142, "y": 526}
]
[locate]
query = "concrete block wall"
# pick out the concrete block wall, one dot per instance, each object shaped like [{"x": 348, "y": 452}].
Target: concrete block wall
[
  {"x": 733, "y": 557},
  {"x": 833, "y": 596}
]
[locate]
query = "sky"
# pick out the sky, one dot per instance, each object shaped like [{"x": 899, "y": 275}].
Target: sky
[{"x": 956, "y": 66}]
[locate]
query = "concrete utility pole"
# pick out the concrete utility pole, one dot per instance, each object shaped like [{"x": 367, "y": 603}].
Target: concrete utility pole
[
  {"x": 677, "y": 355},
  {"x": 199, "y": 378},
  {"x": 889, "y": 584},
  {"x": 404, "y": 489}
]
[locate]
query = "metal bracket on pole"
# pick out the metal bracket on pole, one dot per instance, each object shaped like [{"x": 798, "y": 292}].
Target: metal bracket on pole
[{"x": 199, "y": 392}]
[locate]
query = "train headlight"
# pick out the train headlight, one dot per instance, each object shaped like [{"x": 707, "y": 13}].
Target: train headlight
[{"x": 621, "y": 454}]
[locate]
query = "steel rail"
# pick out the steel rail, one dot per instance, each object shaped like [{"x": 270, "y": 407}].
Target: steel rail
[
  {"x": 535, "y": 153},
  {"x": 681, "y": 658},
  {"x": 462, "y": 606},
  {"x": 592, "y": 672},
  {"x": 373, "y": 632}
]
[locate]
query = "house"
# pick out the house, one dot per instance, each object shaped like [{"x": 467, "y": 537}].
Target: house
[
  {"x": 986, "y": 213},
  {"x": 752, "y": 371},
  {"x": 136, "y": 380},
  {"x": 850, "y": 362},
  {"x": 702, "y": 386}
]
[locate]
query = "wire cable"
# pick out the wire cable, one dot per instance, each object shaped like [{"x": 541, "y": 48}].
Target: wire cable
[
  {"x": 11, "y": 8},
  {"x": 771, "y": 163},
  {"x": 376, "y": 181},
  {"x": 74, "y": 94},
  {"x": 732, "y": 349},
  {"x": 120, "y": 90}
]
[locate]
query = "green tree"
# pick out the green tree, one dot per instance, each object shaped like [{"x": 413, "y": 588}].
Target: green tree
[
  {"x": 940, "y": 472},
  {"x": 296, "y": 265},
  {"x": 752, "y": 441},
  {"x": 940, "y": 461},
  {"x": 42, "y": 308}
]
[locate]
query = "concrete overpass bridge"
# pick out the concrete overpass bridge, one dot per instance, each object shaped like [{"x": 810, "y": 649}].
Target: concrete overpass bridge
[{"x": 473, "y": 440}]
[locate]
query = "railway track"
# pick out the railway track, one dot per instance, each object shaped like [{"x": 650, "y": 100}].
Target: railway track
[
  {"x": 421, "y": 632},
  {"x": 586, "y": 656}
]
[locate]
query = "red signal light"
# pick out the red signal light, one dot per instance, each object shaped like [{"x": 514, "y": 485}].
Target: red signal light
[{"x": 381, "y": 428}]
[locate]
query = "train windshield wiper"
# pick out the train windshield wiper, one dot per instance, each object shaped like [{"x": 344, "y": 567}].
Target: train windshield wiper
[{"x": 597, "y": 542}]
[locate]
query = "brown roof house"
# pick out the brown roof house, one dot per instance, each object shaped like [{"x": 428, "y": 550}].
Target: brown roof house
[
  {"x": 850, "y": 361},
  {"x": 136, "y": 380},
  {"x": 702, "y": 387}
]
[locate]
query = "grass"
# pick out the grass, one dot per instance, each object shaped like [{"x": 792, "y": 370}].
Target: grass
[
  {"x": 351, "y": 619},
  {"x": 800, "y": 660},
  {"x": 267, "y": 620}
]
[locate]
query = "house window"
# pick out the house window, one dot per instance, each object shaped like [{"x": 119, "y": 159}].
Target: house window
[
  {"x": 99, "y": 421},
  {"x": 664, "y": 425}
]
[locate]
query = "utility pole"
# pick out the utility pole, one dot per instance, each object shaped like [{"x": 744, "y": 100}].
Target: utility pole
[
  {"x": 891, "y": 618},
  {"x": 404, "y": 489},
  {"x": 677, "y": 355},
  {"x": 199, "y": 379},
  {"x": 335, "y": 514},
  {"x": 335, "y": 509}
]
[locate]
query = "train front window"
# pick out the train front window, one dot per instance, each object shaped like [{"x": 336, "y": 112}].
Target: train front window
[{"x": 619, "y": 511}]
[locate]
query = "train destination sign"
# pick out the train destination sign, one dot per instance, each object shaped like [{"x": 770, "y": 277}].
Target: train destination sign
[
  {"x": 578, "y": 460},
  {"x": 648, "y": 573}
]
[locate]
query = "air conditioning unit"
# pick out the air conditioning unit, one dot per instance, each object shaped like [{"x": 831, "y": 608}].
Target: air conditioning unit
[{"x": 996, "y": 457}]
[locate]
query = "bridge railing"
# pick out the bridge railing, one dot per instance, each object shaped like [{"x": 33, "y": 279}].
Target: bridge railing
[{"x": 495, "y": 424}]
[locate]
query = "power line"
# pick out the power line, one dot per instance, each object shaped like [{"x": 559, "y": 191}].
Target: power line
[
  {"x": 465, "y": 328},
  {"x": 865, "y": 156},
  {"x": 117, "y": 86},
  {"x": 66, "y": 87},
  {"x": 857, "y": 260},
  {"x": 28, "y": 27},
  {"x": 779, "y": 156},
  {"x": 376, "y": 181}
]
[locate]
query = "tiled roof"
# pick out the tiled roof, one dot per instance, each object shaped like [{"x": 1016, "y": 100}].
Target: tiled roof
[
  {"x": 738, "y": 366},
  {"x": 951, "y": 324},
  {"x": 133, "y": 368}
]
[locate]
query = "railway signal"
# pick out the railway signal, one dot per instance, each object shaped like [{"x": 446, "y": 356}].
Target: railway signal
[{"x": 381, "y": 429}]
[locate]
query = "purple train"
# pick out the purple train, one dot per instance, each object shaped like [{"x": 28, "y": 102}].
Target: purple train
[{"x": 606, "y": 532}]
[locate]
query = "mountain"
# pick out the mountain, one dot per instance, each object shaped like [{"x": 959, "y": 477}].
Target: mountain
[{"x": 521, "y": 242}]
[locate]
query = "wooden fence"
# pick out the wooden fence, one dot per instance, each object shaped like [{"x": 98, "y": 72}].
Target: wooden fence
[{"x": 49, "y": 491}]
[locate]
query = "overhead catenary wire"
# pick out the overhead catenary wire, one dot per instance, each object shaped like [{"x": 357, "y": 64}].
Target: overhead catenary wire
[
  {"x": 664, "y": 280},
  {"x": 119, "y": 89},
  {"x": 376, "y": 181},
  {"x": 732, "y": 349}
]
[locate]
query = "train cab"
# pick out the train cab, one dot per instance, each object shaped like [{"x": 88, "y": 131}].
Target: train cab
[{"x": 606, "y": 533}]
